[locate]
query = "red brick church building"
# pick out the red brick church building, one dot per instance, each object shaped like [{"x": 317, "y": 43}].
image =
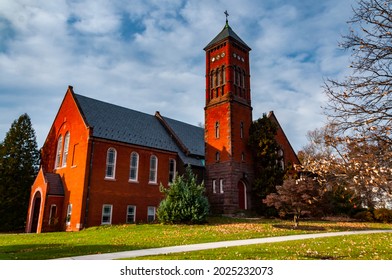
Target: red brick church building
[{"x": 103, "y": 164}]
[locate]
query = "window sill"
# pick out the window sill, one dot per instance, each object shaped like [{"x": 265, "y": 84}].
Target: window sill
[
  {"x": 133, "y": 181},
  {"x": 110, "y": 179},
  {"x": 152, "y": 183}
]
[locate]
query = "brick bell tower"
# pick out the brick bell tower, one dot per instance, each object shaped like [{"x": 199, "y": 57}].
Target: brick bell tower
[{"x": 228, "y": 116}]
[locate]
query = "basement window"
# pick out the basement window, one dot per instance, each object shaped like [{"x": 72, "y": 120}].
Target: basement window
[
  {"x": 150, "y": 214},
  {"x": 106, "y": 214}
]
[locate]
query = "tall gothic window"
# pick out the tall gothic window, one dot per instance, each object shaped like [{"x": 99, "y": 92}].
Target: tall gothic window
[
  {"x": 66, "y": 148},
  {"x": 172, "y": 170},
  {"x": 134, "y": 164},
  {"x": 58, "y": 152},
  {"x": 217, "y": 130},
  {"x": 153, "y": 169},
  {"x": 111, "y": 163},
  {"x": 218, "y": 77},
  {"x": 223, "y": 73}
]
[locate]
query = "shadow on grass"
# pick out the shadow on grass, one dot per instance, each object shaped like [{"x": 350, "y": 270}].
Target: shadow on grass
[
  {"x": 53, "y": 251},
  {"x": 314, "y": 256},
  {"x": 301, "y": 227}
]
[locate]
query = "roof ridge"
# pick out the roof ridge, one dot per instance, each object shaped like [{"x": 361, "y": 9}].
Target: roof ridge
[
  {"x": 172, "y": 133},
  {"x": 111, "y": 104}
]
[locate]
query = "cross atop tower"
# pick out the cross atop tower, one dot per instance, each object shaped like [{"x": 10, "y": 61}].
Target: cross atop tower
[{"x": 227, "y": 15}]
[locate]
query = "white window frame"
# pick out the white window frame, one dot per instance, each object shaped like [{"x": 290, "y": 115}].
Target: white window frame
[
  {"x": 128, "y": 215},
  {"x": 105, "y": 214},
  {"x": 69, "y": 215},
  {"x": 214, "y": 186},
  {"x": 111, "y": 164},
  {"x": 134, "y": 168},
  {"x": 153, "y": 174},
  {"x": 58, "y": 151},
  {"x": 221, "y": 186},
  {"x": 172, "y": 172},
  {"x": 66, "y": 149},
  {"x": 149, "y": 209}
]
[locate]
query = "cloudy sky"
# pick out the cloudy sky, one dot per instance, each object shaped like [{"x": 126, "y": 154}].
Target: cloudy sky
[{"x": 148, "y": 55}]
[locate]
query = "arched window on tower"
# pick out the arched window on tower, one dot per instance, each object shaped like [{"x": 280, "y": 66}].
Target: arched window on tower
[
  {"x": 223, "y": 75},
  {"x": 223, "y": 80},
  {"x": 217, "y": 130},
  {"x": 238, "y": 76},
  {"x": 219, "y": 77},
  {"x": 219, "y": 81},
  {"x": 235, "y": 75},
  {"x": 215, "y": 82},
  {"x": 243, "y": 84},
  {"x": 243, "y": 79},
  {"x": 212, "y": 79}
]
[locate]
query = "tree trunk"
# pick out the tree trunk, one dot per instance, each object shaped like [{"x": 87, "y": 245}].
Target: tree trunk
[{"x": 296, "y": 220}]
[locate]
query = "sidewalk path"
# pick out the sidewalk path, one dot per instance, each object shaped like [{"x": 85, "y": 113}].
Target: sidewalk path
[{"x": 214, "y": 245}]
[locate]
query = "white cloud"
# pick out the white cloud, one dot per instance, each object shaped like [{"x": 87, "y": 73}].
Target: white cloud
[{"x": 148, "y": 56}]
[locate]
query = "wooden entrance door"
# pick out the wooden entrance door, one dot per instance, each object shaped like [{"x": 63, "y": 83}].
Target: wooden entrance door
[{"x": 242, "y": 199}]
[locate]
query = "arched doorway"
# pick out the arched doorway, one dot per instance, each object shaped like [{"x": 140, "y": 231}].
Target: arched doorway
[
  {"x": 36, "y": 210},
  {"x": 242, "y": 197}
]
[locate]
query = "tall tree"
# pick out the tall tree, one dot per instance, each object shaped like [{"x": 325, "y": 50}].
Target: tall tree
[
  {"x": 19, "y": 161},
  {"x": 359, "y": 107},
  {"x": 362, "y": 103},
  {"x": 267, "y": 159}
]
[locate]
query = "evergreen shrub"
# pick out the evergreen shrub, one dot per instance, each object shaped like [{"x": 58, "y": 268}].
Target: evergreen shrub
[{"x": 184, "y": 201}]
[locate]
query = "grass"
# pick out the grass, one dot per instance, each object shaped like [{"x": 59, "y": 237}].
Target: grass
[
  {"x": 106, "y": 239},
  {"x": 377, "y": 246}
]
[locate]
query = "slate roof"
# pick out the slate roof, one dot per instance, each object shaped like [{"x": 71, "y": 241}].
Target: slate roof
[
  {"x": 225, "y": 33},
  {"x": 191, "y": 136},
  {"x": 125, "y": 125},
  {"x": 55, "y": 185}
]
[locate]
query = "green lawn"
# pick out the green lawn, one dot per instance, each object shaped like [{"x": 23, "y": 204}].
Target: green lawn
[
  {"x": 133, "y": 237},
  {"x": 376, "y": 246}
]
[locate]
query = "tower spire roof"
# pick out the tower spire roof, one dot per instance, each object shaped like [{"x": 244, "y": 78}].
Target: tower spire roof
[{"x": 227, "y": 32}]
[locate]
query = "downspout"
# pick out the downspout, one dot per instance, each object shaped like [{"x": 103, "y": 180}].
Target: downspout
[{"x": 89, "y": 183}]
